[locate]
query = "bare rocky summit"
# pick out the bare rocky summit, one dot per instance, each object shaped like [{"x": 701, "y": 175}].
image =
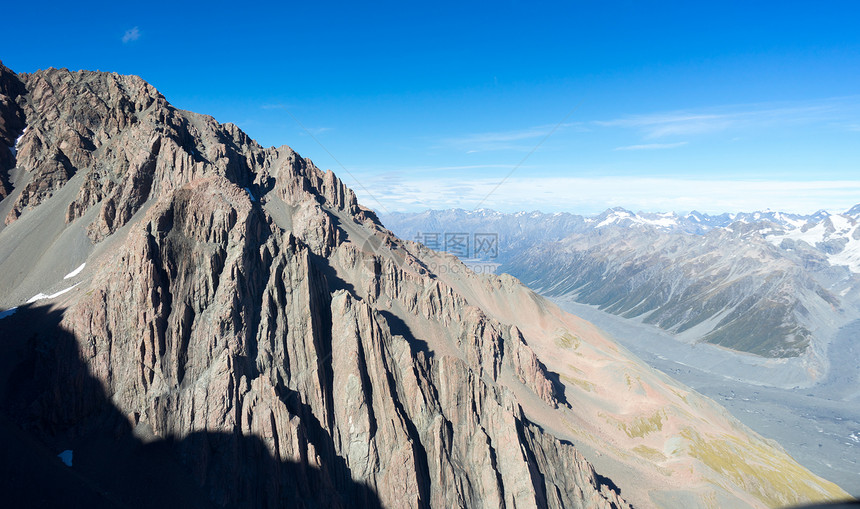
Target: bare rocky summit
[
  {"x": 243, "y": 326},
  {"x": 213, "y": 314}
]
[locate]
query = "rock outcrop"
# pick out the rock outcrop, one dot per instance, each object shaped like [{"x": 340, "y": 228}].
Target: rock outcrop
[
  {"x": 11, "y": 124},
  {"x": 242, "y": 296}
]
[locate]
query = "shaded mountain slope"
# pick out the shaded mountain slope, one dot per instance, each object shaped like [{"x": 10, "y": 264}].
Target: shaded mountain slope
[{"x": 742, "y": 295}]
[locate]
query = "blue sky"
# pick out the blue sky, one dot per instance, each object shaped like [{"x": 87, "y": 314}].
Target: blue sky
[{"x": 720, "y": 107}]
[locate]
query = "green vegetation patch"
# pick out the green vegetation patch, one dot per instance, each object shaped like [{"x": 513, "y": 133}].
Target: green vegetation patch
[
  {"x": 649, "y": 453},
  {"x": 640, "y": 426},
  {"x": 582, "y": 384},
  {"x": 568, "y": 340},
  {"x": 770, "y": 476}
]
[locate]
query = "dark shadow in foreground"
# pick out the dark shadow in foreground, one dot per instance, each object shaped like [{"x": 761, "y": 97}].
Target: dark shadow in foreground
[{"x": 51, "y": 403}]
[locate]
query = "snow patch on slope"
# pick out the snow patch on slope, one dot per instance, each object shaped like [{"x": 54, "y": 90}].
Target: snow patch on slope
[
  {"x": 42, "y": 296},
  {"x": 662, "y": 220},
  {"x": 841, "y": 224},
  {"x": 849, "y": 256},
  {"x": 835, "y": 227},
  {"x": 75, "y": 272},
  {"x": 14, "y": 149},
  {"x": 811, "y": 236}
]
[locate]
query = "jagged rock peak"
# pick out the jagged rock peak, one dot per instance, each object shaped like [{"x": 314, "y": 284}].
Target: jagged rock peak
[
  {"x": 253, "y": 316},
  {"x": 131, "y": 145}
]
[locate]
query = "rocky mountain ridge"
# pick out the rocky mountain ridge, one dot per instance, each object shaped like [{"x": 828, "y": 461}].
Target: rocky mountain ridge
[{"x": 217, "y": 291}]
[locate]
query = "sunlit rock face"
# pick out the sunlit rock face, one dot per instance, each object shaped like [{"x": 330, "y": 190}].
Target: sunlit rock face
[{"x": 245, "y": 325}]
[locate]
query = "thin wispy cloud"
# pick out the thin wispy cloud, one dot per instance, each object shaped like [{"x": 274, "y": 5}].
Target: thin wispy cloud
[
  {"x": 653, "y": 146},
  {"x": 503, "y": 140},
  {"x": 316, "y": 131},
  {"x": 434, "y": 169},
  {"x": 689, "y": 123},
  {"x": 592, "y": 195},
  {"x": 661, "y": 125},
  {"x": 132, "y": 34}
]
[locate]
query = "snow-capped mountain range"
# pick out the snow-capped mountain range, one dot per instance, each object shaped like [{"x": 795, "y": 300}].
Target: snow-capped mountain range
[
  {"x": 766, "y": 282},
  {"x": 835, "y": 235}
]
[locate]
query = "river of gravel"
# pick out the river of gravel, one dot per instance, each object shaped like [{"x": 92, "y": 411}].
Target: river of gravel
[{"x": 819, "y": 425}]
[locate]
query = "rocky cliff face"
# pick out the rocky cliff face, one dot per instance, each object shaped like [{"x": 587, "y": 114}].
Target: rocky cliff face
[
  {"x": 213, "y": 313},
  {"x": 232, "y": 292},
  {"x": 11, "y": 123}
]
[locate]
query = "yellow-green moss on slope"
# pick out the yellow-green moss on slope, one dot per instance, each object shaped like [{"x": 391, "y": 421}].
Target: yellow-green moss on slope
[
  {"x": 639, "y": 427},
  {"x": 568, "y": 340},
  {"x": 582, "y": 384},
  {"x": 763, "y": 471},
  {"x": 649, "y": 453}
]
